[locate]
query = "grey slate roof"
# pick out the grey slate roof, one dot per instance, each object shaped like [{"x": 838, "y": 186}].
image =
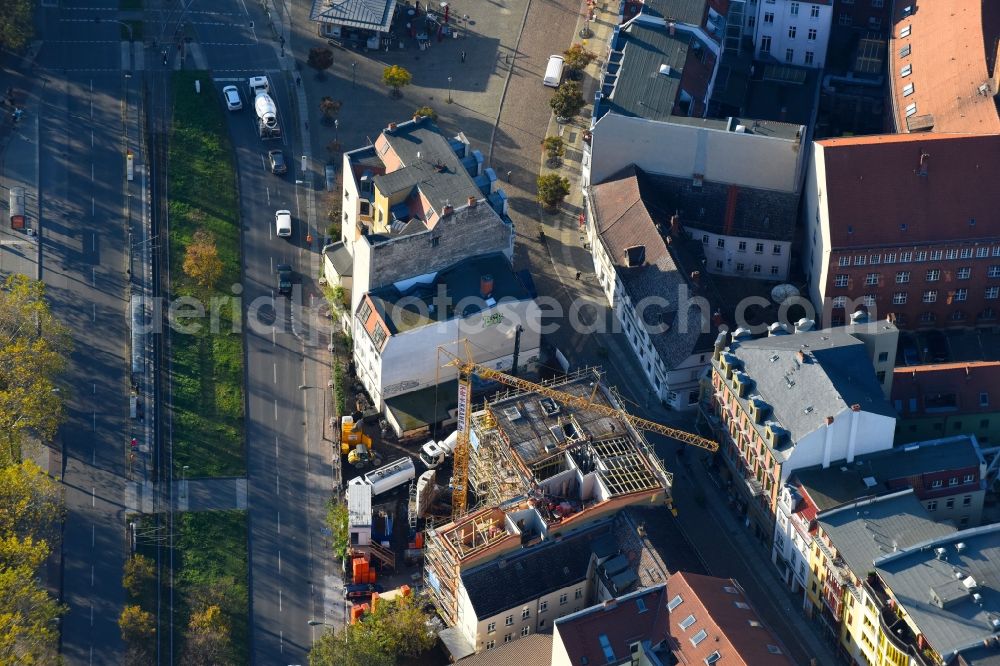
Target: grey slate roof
[
  {"x": 340, "y": 257},
  {"x": 963, "y": 625},
  {"x": 509, "y": 582},
  {"x": 623, "y": 221},
  {"x": 866, "y": 530},
  {"x": 837, "y": 374},
  {"x": 832, "y": 486},
  {"x": 458, "y": 282},
  {"x": 367, "y": 14},
  {"x": 683, "y": 11},
  {"x": 758, "y": 213},
  {"x": 639, "y": 89},
  {"x": 438, "y": 172}
]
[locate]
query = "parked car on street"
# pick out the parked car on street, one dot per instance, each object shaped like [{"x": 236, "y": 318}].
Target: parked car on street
[
  {"x": 276, "y": 162},
  {"x": 232, "y": 97},
  {"x": 284, "y": 279},
  {"x": 283, "y": 223}
]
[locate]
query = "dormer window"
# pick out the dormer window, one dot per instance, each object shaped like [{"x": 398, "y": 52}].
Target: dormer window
[{"x": 906, "y": 71}]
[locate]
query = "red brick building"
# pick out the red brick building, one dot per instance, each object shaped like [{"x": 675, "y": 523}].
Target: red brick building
[{"x": 905, "y": 227}]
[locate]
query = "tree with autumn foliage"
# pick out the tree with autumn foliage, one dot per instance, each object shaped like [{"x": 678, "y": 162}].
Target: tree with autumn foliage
[
  {"x": 201, "y": 260},
  {"x": 208, "y": 640}
]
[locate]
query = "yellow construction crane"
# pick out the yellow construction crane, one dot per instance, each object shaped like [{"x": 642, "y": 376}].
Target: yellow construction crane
[{"x": 467, "y": 368}]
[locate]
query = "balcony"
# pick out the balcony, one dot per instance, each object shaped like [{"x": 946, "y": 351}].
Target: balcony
[{"x": 894, "y": 628}]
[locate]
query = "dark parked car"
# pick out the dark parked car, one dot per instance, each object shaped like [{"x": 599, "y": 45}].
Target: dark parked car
[
  {"x": 276, "y": 160},
  {"x": 937, "y": 346},
  {"x": 284, "y": 279},
  {"x": 362, "y": 591}
]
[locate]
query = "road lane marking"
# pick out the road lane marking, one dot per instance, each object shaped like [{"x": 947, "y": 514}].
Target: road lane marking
[
  {"x": 274, "y": 339},
  {"x": 93, "y": 276},
  {"x": 93, "y": 238},
  {"x": 279, "y": 561},
  {"x": 275, "y": 410},
  {"x": 279, "y": 600},
  {"x": 92, "y": 575},
  {"x": 271, "y": 259},
  {"x": 93, "y": 535},
  {"x": 95, "y": 311},
  {"x": 95, "y": 421},
  {"x": 91, "y": 613},
  {"x": 93, "y": 211},
  {"x": 93, "y": 497},
  {"x": 279, "y": 522},
  {"x": 93, "y": 456},
  {"x": 276, "y": 483},
  {"x": 91, "y": 166},
  {"x": 91, "y": 138},
  {"x": 275, "y": 373},
  {"x": 276, "y": 448},
  {"x": 267, "y": 191}
]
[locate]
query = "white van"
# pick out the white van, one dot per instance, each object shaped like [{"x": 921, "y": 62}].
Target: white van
[
  {"x": 283, "y": 223},
  {"x": 553, "y": 72}
]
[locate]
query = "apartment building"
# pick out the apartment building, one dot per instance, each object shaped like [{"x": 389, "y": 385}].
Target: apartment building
[
  {"x": 849, "y": 543},
  {"x": 942, "y": 67},
  {"x": 414, "y": 203},
  {"x": 653, "y": 301},
  {"x": 858, "y": 18},
  {"x": 792, "y": 32},
  {"x": 787, "y": 402},
  {"x": 399, "y": 328},
  {"x": 940, "y": 399},
  {"x": 905, "y": 227}
]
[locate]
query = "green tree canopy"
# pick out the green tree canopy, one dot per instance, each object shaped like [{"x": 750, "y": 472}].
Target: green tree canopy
[
  {"x": 16, "y": 27},
  {"x": 396, "y": 629},
  {"x": 396, "y": 78},
  {"x": 568, "y": 100},
  {"x": 552, "y": 189},
  {"x": 139, "y": 574},
  {"x": 320, "y": 59},
  {"x": 577, "y": 57}
]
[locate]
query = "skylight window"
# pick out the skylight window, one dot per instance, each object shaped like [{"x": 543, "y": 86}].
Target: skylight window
[
  {"x": 675, "y": 602},
  {"x": 774, "y": 649},
  {"x": 641, "y": 605},
  {"x": 699, "y": 637},
  {"x": 729, "y": 588},
  {"x": 905, "y": 51},
  {"x": 907, "y": 90},
  {"x": 911, "y": 109},
  {"x": 609, "y": 652},
  {"x": 905, "y": 32},
  {"x": 712, "y": 658},
  {"x": 907, "y": 70},
  {"x": 687, "y": 622},
  {"x": 742, "y": 604}
]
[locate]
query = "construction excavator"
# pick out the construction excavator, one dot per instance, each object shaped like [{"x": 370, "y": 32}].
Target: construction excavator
[{"x": 467, "y": 368}]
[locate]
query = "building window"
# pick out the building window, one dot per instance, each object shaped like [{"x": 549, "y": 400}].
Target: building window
[
  {"x": 845, "y": 19},
  {"x": 543, "y": 606},
  {"x": 793, "y": 9},
  {"x": 720, "y": 243},
  {"x": 526, "y": 613},
  {"x": 740, "y": 267},
  {"x": 936, "y": 255},
  {"x": 993, "y": 271},
  {"x": 936, "y": 483},
  {"x": 905, "y": 32},
  {"x": 759, "y": 248},
  {"x": 509, "y": 620},
  {"x": 686, "y": 622},
  {"x": 579, "y": 594},
  {"x": 699, "y": 637},
  {"x": 932, "y": 506},
  {"x": 871, "y": 279},
  {"x": 765, "y": 44},
  {"x": 704, "y": 239},
  {"x": 809, "y": 57},
  {"x": 908, "y": 89},
  {"x": 756, "y": 268},
  {"x": 718, "y": 264},
  {"x": 982, "y": 252},
  {"x": 789, "y": 55},
  {"x": 961, "y": 294},
  {"x": 768, "y": 18},
  {"x": 907, "y": 70},
  {"x": 933, "y": 275},
  {"x": 905, "y": 257},
  {"x": 889, "y": 258},
  {"x": 927, "y": 318},
  {"x": 963, "y": 273},
  {"x": 899, "y": 298},
  {"x": 951, "y": 254},
  {"x": 814, "y": 11},
  {"x": 491, "y": 644},
  {"x": 992, "y": 293},
  {"x": 525, "y": 630},
  {"x": 844, "y": 261},
  {"x": 776, "y": 249},
  {"x": 966, "y": 252},
  {"x": 984, "y": 399},
  {"x": 902, "y": 277},
  {"x": 811, "y": 35},
  {"x": 930, "y": 296},
  {"x": 988, "y": 314},
  {"x": 791, "y": 32},
  {"x": 860, "y": 260},
  {"x": 742, "y": 246},
  {"x": 967, "y": 500},
  {"x": 878, "y": 4},
  {"x": 774, "y": 270},
  {"x": 508, "y": 638},
  {"x": 953, "y": 481},
  {"x": 875, "y": 259},
  {"x": 491, "y": 627},
  {"x": 839, "y": 301},
  {"x": 562, "y": 599},
  {"x": 841, "y": 280}
]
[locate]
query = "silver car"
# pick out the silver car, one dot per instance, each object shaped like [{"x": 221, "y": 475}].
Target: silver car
[{"x": 232, "y": 97}]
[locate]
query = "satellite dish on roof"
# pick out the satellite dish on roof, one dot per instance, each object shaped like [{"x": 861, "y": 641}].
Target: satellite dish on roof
[{"x": 783, "y": 292}]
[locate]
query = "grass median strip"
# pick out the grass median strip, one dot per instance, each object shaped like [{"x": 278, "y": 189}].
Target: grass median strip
[{"x": 207, "y": 354}]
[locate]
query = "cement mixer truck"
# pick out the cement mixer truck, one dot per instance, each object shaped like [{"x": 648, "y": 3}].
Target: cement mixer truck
[{"x": 263, "y": 104}]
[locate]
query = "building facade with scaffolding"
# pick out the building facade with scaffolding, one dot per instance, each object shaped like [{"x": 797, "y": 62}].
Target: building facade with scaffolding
[{"x": 540, "y": 471}]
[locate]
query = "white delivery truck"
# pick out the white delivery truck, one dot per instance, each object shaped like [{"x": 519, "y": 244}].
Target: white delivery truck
[
  {"x": 433, "y": 453},
  {"x": 553, "y": 72}
]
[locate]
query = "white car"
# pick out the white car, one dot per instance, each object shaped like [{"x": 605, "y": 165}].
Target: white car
[
  {"x": 232, "y": 96},
  {"x": 283, "y": 223}
]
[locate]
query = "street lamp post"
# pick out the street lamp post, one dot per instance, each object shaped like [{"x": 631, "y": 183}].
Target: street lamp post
[
  {"x": 449, "y": 90},
  {"x": 336, "y": 129}
]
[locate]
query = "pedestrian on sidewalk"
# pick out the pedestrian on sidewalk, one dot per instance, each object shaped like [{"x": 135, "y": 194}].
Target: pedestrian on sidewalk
[
  {"x": 509, "y": 174},
  {"x": 578, "y": 274},
  {"x": 463, "y": 56}
]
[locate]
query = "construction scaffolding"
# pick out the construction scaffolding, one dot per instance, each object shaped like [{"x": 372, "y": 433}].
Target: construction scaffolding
[{"x": 492, "y": 473}]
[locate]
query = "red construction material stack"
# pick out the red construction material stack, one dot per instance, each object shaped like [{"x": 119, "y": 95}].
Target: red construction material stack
[{"x": 420, "y": 540}]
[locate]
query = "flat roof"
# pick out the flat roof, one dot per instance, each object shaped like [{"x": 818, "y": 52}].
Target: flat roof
[
  {"x": 869, "y": 474},
  {"x": 425, "y": 407},
  {"x": 367, "y": 14},
  {"x": 962, "y": 625},
  {"x": 407, "y": 309}
]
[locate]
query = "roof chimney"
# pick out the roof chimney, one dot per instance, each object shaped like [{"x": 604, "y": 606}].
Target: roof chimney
[
  {"x": 472, "y": 202},
  {"x": 391, "y": 128},
  {"x": 801, "y": 356},
  {"x": 855, "y": 408},
  {"x": 672, "y": 27},
  {"x": 485, "y": 285},
  {"x": 829, "y": 420},
  {"x": 675, "y": 224},
  {"x": 696, "y": 277},
  {"x": 447, "y": 210}
]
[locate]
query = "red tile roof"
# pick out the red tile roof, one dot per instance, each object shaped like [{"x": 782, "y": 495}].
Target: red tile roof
[
  {"x": 951, "y": 46},
  {"x": 966, "y": 380},
  {"x": 622, "y": 622},
  {"x": 737, "y": 634},
  {"x": 934, "y": 184}
]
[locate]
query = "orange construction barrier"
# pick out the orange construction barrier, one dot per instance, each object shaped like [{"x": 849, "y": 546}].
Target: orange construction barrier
[
  {"x": 357, "y": 612},
  {"x": 374, "y": 601},
  {"x": 420, "y": 540},
  {"x": 405, "y": 590}
]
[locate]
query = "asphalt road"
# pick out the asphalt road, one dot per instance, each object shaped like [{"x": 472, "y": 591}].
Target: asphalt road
[
  {"x": 83, "y": 265},
  {"x": 288, "y": 469}
]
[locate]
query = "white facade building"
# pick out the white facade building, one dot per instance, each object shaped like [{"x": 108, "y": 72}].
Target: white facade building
[{"x": 792, "y": 32}]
